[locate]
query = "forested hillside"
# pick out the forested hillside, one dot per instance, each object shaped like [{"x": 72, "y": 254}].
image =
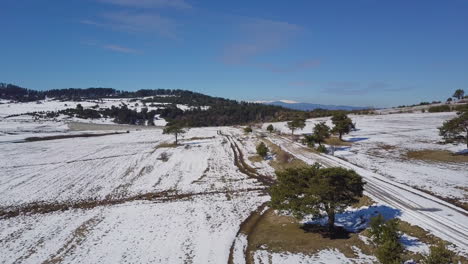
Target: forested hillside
[{"x": 201, "y": 110}]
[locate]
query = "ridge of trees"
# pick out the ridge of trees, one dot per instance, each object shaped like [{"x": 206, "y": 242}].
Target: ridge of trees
[{"x": 205, "y": 110}]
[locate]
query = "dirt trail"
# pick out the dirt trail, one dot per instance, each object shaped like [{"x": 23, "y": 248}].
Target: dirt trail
[{"x": 44, "y": 208}]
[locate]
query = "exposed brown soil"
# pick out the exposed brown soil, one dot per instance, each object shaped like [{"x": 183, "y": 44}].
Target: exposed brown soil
[{"x": 32, "y": 139}]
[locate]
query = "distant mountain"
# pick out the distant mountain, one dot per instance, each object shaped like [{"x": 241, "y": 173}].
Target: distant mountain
[{"x": 307, "y": 106}]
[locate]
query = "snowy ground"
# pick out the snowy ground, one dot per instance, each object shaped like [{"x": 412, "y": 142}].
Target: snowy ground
[
  {"x": 381, "y": 142},
  {"x": 208, "y": 200},
  {"x": 198, "y": 228}
]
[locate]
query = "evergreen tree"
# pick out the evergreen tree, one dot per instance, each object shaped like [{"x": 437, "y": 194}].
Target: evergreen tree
[
  {"x": 270, "y": 128},
  {"x": 321, "y": 132},
  {"x": 296, "y": 123},
  {"x": 175, "y": 130},
  {"x": 313, "y": 190},
  {"x": 387, "y": 238},
  {"x": 262, "y": 150},
  {"x": 342, "y": 124},
  {"x": 439, "y": 254},
  {"x": 456, "y": 129},
  {"x": 459, "y": 93}
]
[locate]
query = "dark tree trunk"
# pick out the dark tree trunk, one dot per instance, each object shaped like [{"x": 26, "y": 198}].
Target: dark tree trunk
[
  {"x": 331, "y": 221},
  {"x": 341, "y": 134},
  {"x": 176, "y": 138}
]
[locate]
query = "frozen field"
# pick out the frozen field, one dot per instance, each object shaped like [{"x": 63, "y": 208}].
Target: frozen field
[
  {"x": 125, "y": 199},
  {"x": 209, "y": 198},
  {"x": 381, "y": 142}
]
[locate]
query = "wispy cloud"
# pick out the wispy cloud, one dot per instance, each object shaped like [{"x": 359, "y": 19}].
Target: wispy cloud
[
  {"x": 135, "y": 22},
  {"x": 256, "y": 37},
  {"x": 121, "y": 49},
  {"x": 111, "y": 47},
  {"x": 149, "y": 3}
]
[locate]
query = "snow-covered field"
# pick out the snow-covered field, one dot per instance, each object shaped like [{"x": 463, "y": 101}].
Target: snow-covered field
[
  {"x": 198, "y": 227},
  {"x": 181, "y": 204},
  {"x": 381, "y": 142}
]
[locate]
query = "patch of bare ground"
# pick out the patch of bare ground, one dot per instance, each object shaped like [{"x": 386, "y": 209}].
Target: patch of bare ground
[
  {"x": 244, "y": 167},
  {"x": 167, "y": 145},
  {"x": 33, "y": 139},
  {"x": 255, "y": 158},
  {"x": 283, "y": 160},
  {"x": 334, "y": 141},
  {"x": 363, "y": 201},
  {"x": 198, "y": 138},
  {"x": 386, "y": 147},
  {"x": 246, "y": 228},
  {"x": 279, "y": 233},
  {"x": 44, "y": 208},
  {"x": 431, "y": 155}
]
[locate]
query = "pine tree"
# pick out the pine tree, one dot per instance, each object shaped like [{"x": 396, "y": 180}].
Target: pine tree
[
  {"x": 270, "y": 128},
  {"x": 321, "y": 132},
  {"x": 439, "y": 254},
  {"x": 175, "y": 130},
  {"x": 343, "y": 124},
  {"x": 296, "y": 123},
  {"x": 313, "y": 190},
  {"x": 262, "y": 150}
]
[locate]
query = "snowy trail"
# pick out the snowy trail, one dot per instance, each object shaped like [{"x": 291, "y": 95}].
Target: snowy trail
[{"x": 437, "y": 216}]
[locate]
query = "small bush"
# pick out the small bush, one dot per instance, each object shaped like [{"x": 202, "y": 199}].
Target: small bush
[
  {"x": 309, "y": 140},
  {"x": 248, "y": 129},
  {"x": 439, "y": 108},
  {"x": 270, "y": 128},
  {"x": 439, "y": 254},
  {"x": 163, "y": 157},
  {"x": 389, "y": 252},
  {"x": 387, "y": 238},
  {"x": 262, "y": 149},
  {"x": 322, "y": 149}
]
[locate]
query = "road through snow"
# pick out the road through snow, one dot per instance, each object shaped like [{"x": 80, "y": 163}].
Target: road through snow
[{"x": 435, "y": 215}]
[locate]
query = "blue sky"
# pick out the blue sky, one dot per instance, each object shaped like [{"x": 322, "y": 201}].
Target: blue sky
[{"x": 354, "y": 52}]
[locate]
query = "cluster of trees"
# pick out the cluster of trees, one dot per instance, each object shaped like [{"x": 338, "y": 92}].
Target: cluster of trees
[
  {"x": 206, "y": 111},
  {"x": 16, "y": 93},
  {"x": 121, "y": 115},
  {"x": 234, "y": 113}
]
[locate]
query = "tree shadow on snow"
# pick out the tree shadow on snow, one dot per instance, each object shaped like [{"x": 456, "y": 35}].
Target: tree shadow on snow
[
  {"x": 341, "y": 148},
  {"x": 352, "y": 221},
  {"x": 356, "y": 139}
]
